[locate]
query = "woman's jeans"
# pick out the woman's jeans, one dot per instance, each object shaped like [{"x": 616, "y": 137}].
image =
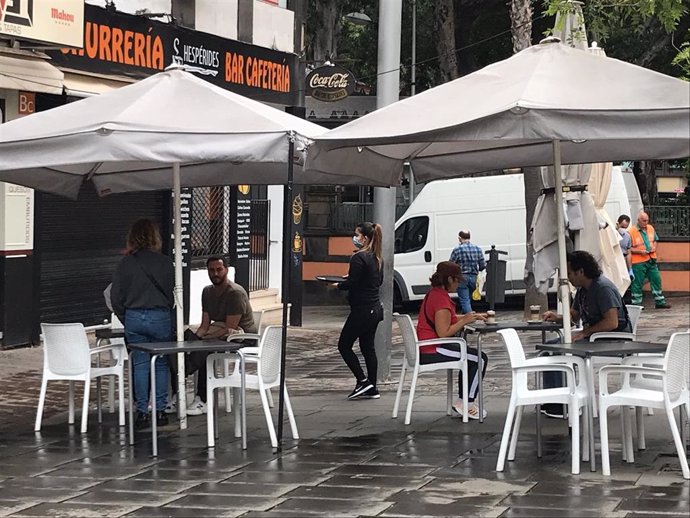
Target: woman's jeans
[
  {"x": 361, "y": 324},
  {"x": 142, "y": 326}
]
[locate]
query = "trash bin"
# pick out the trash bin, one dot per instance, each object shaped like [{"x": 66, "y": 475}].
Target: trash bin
[{"x": 495, "y": 286}]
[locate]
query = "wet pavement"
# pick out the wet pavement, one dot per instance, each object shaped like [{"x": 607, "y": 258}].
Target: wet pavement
[{"x": 352, "y": 458}]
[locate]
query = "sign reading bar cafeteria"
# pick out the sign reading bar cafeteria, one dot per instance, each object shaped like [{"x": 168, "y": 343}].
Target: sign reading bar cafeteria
[
  {"x": 58, "y": 22},
  {"x": 134, "y": 46},
  {"x": 330, "y": 83}
]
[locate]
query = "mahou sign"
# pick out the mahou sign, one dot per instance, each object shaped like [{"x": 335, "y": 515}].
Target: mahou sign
[{"x": 330, "y": 83}]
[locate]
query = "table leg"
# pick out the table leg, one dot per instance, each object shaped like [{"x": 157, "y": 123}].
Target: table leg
[
  {"x": 480, "y": 378},
  {"x": 130, "y": 382},
  {"x": 152, "y": 390},
  {"x": 243, "y": 400},
  {"x": 590, "y": 413}
]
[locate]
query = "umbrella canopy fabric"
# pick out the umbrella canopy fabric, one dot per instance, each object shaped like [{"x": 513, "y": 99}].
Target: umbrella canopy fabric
[
  {"x": 127, "y": 139},
  {"x": 507, "y": 115}
]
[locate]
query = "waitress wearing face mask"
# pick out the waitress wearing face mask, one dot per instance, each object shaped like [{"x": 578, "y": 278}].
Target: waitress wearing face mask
[{"x": 364, "y": 278}]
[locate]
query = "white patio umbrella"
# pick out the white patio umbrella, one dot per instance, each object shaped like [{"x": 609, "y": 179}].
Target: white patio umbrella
[
  {"x": 586, "y": 221},
  {"x": 549, "y": 104},
  {"x": 168, "y": 131}
]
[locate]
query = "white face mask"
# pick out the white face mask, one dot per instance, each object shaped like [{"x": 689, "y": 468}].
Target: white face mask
[{"x": 358, "y": 244}]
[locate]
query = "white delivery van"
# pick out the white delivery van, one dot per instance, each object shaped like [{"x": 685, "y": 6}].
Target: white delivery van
[{"x": 492, "y": 208}]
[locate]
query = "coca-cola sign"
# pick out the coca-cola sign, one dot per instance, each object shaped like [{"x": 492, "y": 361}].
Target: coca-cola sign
[{"x": 330, "y": 83}]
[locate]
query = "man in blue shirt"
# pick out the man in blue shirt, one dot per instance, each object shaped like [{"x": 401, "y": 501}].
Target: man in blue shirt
[{"x": 470, "y": 258}]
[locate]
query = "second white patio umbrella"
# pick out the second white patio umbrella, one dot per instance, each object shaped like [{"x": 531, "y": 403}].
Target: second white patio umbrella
[{"x": 549, "y": 104}]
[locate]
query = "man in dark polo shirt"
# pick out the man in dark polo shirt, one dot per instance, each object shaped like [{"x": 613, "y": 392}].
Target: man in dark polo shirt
[
  {"x": 225, "y": 310},
  {"x": 597, "y": 303}
]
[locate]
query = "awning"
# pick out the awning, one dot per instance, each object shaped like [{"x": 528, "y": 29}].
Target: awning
[
  {"x": 23, "y": 70},
  {"x": 82, "y": 84}
]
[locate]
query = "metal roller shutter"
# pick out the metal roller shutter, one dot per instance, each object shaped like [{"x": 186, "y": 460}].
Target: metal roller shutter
[{"x": 79, "y": 244}]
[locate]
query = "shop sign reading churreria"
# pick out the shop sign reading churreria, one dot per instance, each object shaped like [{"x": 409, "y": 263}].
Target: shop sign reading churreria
[
  {"x": 134, "y": 46},
  {"x": 56, "y": 21},
  {"x": 330, "y": 83}
]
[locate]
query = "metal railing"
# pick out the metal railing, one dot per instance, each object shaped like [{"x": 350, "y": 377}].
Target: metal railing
[{"x": 670, "y": 222}]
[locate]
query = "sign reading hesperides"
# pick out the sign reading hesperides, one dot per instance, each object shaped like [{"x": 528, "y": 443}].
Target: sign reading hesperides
[{"x": 59, "y": 22}]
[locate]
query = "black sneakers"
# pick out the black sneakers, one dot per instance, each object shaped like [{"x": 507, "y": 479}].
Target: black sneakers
[
  {"x": 372, "y": 393},
  {"x": 142, "y": 421},
  {"x": 360, "y": 388}
]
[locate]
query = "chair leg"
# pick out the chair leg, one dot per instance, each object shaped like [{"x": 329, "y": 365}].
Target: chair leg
[
  {"x": 398, "y": 394},
  {"x": 85, "y": 408},
  {"x": 41, "y": 402},
  {"x": 210, "y": 417},
  {"x": 236, "y": 406},
  {"x": 410, "y": 400},
  {"x": 291, "y": 415},
  {"x": 226, "y": 373},
  {"x": 680, "y": 447},
  {"x": 269, "y": 396},
  {"x": 641, "y": 441},
  {"x": 604, "y": 433},
  {"x": 516, "y": 432},
  {"x": 449, "y": 391},
  {"x": 121, "y": 396},
  {"x": 585, "y": 433},
  {"x": 269, "y": 418},
  {"x": 575, "y": 422},
  {"x": 500, "y": 464},
  {"x": 70, "y": 395},
  {"x": 624, "y": 449},
  {"x": 465, "y": 393}
]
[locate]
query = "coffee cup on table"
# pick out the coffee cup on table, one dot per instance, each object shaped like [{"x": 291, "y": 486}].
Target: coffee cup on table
[
  {"x": 535, "y": 312},
  {"x": 491, "y": 317}
]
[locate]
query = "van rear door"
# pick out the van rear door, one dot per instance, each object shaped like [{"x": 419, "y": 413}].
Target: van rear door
[{"x": 414, "y": 255}]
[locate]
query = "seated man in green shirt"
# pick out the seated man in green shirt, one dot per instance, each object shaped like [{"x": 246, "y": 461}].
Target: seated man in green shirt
[{"x": 225, "y": 310}]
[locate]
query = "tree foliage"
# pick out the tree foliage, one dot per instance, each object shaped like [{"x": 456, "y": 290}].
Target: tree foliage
[{"x": 651, "y": 33}]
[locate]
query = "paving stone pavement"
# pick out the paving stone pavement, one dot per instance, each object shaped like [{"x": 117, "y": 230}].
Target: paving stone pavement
[{"x": 352, "y": 458}]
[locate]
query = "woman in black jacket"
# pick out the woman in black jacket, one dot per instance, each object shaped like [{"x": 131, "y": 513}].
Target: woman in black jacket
[
  {"x": 142, "y": 298},
  {"x": 364, "y": 278}
]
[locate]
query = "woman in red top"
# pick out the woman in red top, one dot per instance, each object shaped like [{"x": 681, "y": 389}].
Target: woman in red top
[{"x": 437, "y": 319}]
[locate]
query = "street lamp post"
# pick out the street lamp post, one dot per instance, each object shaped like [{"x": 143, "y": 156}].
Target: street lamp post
[
  {"x": 413, "y": 83},
  {"x": 387, "y": 92}
]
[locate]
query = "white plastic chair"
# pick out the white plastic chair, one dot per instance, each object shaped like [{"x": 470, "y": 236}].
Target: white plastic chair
[
  {"x": 634, "y": 316},
  {"x": 66, "y": 356},
  {"x": 411, "y": 360},
  {"x": 674, "y": 374},
  {"x": 267, "y": 376},
  {"x": 250, "y": 354},
  {"x": 115, "y": 325},
  {"x": 575, "y": 394}
]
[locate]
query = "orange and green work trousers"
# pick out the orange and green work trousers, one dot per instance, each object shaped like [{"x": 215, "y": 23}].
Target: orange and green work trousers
[{"x": 642, "y": 271}]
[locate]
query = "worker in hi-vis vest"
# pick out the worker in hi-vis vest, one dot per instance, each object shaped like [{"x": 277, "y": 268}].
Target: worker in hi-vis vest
[{"x": 644, "y": 265}]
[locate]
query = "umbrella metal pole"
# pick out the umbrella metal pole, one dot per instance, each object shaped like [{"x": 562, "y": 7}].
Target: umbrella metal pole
[
  {"x": 179, "y": 314},
  {"x": 287, "y": 263},
  {"x": 563, "y": 289}
]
